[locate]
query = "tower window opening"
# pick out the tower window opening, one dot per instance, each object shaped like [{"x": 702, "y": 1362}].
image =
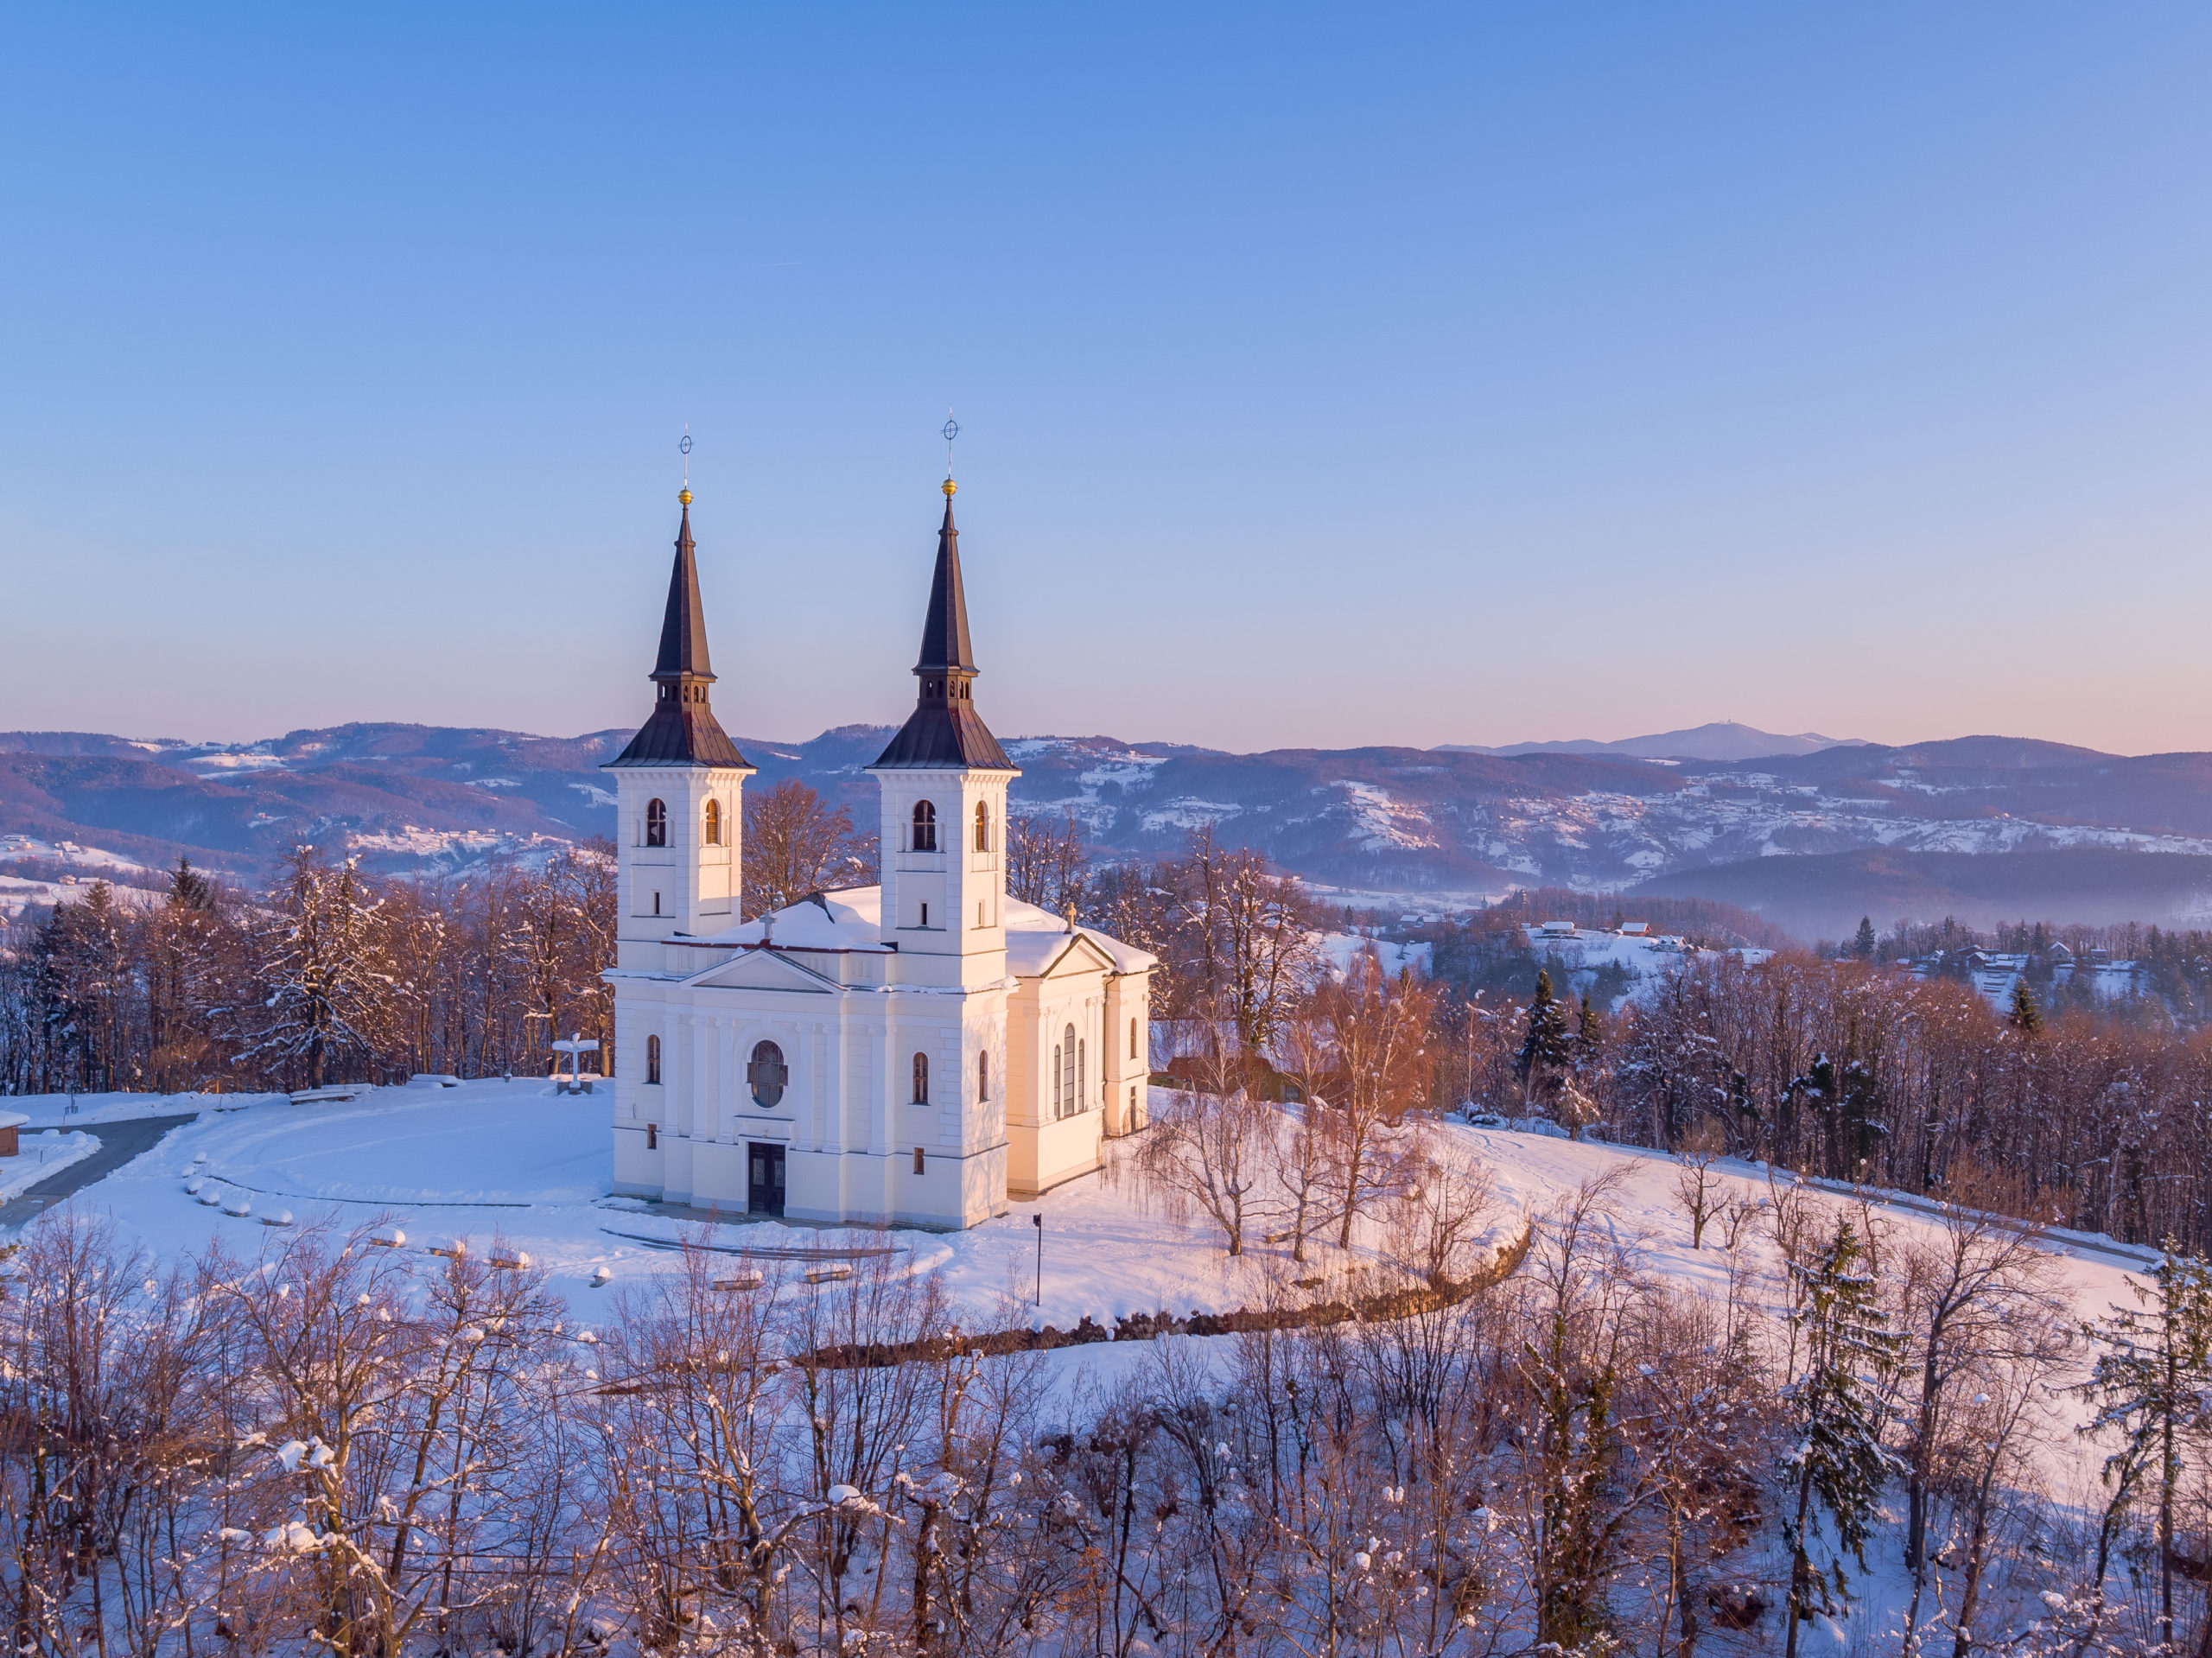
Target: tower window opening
[
  {"x": 926, "y": 915},
  {"x": 925, "y": 826},
  {"x": 656, "y": 903},
  {"x": 712, "y": 829},
  {"x": 656, "y": 823},
  {"x": 983, "y": 1077},
  {"x": 983, "y": 827},
  {"x": 921, "y": 1079},
  {"x": 653, "y": 1059},
  {"x": 652, "y": 1136},
  {"x": 920, "y": 1159}
]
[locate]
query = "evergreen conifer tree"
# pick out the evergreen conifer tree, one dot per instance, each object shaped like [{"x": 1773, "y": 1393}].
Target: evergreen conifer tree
[
  {"x": 1589, "y": 1032},
  {"x": 2149, "y": 1383},
  {"x": 2027, "y": 1018},
  {"x": 1862, "y": 946},
  {"x": 1547, "y": 1047},
  {"x": 1838, "y": 1410}
]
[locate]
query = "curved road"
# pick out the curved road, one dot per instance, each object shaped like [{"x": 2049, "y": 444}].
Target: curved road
[{"x": 120, "y": 1143}]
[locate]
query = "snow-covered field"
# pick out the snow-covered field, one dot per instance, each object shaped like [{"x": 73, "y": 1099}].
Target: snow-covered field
[
  {"x": 84, "y": 865},
  {"x": 515, "y": 1161}
]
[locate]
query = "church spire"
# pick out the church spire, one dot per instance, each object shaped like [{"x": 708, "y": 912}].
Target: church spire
[
  {"x": 944, "y": 628},
  {"x": 683, "y": 729},
  {"x": 684, "y": 629},
  {"x": 944, "y": 729}
]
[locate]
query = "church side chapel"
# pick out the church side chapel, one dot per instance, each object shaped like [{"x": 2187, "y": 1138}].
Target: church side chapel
[{"x": 923, "y": 1051}]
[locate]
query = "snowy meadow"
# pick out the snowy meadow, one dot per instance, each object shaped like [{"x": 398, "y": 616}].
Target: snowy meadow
[{"x": 1593, "y": 1399}]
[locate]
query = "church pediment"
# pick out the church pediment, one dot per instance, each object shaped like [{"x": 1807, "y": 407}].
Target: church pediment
[
  {"x": 1054, "y": 956},
  {"x": 763, "y": 969}
]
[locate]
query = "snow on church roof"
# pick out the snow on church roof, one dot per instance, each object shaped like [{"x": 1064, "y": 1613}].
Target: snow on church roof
[{"x": 848, "y": 920}]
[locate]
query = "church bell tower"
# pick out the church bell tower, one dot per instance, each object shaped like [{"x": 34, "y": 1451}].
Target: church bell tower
[
  {"x": 944, "y": 780},
  {"x": 678, "y": 787}
]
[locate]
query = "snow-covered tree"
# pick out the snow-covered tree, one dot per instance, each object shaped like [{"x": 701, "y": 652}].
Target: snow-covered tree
[
  {"x": 1548, "y": 1047},
  {"x": 1837, "y": 1462},
  {"x": 2152, "y": 1370},
  {"x": 326, "y": 982}
]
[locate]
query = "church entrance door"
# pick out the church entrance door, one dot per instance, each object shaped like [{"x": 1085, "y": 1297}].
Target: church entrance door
[{"x": 764, "y": 1189}]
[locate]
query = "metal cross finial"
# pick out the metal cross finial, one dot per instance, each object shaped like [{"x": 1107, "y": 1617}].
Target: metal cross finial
[
  {"x": 684, "y": 449},
  {"x": 951, "y": 431}
]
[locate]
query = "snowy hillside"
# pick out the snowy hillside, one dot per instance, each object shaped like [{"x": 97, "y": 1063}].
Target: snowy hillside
[
  {"x": 1977, "y": 828},
  {"x": 511, "y": 1162}
]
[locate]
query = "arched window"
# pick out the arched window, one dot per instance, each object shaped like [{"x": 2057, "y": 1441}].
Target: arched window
[
  {"x": 983, "y": 1077},
  {"x": 983, "y": 827},
  {"x": 653, "y": 1059},
  {"x": 921, "y": 1079},
  {"x": 1071, "y": 1095},
  {"x": 711, "y": 832},
  {"x": 655, "y": 823},
  {"x": 1132, "y": 1038},
  {"x": 767, "y": 1074},
  {"x": 924, "y": 827}
]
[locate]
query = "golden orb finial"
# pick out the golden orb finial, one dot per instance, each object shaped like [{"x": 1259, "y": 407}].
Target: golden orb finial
[
  {"x": 948, "y": 486},
  {"x": 684, "y": 496}
]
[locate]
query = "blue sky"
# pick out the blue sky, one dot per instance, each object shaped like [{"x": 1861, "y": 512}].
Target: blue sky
[{"x": 1328, "y": 375}]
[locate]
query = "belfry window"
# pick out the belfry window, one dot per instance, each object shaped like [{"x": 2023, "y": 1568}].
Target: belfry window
[
  {"x": 653, "y": 1059},
  {"x": 924, "y": 827},
  {"x": 983, "y": 827},
  {"x": 921, "y": 1079},
  {"x": 983, "y": 1077},
  {"x": 711, "y": 830},
  {"x": 656, "y": 823},
  {"x": 767, "y": 1075}
]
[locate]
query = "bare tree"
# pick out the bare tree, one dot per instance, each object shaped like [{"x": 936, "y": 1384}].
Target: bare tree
[
  {"x": 1697, "y": 1189},
  {"x": 1375, "y": 1031},
  {"x": 1047, "y": 863},
  {"x": 1208, "y": 1146},
  {"x": 1969, "y": 1291},
  {"x": 795, "y": 845}
]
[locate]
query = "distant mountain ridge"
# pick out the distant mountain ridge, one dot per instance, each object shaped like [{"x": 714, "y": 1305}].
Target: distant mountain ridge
[
  {"x": 1721, "y": 739},
  {"x": 1776, "y": 833}
]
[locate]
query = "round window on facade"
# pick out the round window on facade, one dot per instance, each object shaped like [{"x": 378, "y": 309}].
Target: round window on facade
[{"x": 767, "y": 1074}]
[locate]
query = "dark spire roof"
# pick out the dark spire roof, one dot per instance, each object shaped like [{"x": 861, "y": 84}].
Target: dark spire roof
[
  {"x": 944, "y": 729},
  {"x": 944, "y": 629},
  {"x": 684, "y": 629},
  {"x": 683, "y": 729}
]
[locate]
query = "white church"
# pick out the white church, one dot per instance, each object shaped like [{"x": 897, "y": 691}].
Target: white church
[{"x": 920, "y": 1052}]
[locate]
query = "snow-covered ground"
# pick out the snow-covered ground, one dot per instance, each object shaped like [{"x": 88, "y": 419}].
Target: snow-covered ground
[
  {"x": 83, "y": 864},
  {"x": 514, "y": 1160},
  {"x": 1340, "y": 949},
  {"x": 43, "y": 1153}
]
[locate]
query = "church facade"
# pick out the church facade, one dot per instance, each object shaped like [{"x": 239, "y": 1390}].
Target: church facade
[{"x": 923, "y": 1051}]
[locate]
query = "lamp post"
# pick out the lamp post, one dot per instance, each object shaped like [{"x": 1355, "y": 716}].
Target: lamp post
[{"x": 1038, "y": 1221}]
